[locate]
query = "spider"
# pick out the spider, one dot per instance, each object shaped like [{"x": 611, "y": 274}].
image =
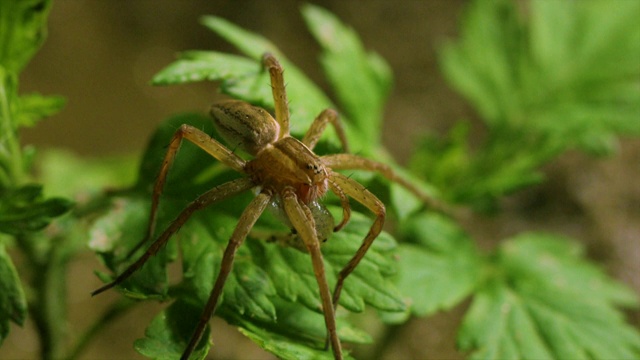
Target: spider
[{"x": 283, "y": 169}]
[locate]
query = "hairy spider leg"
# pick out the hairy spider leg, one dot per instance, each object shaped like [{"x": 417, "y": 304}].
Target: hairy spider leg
[
  {"x": 280, "y": 101},
  {"x": 216, "y": 194},
  {"x": 354, "y": 162},
  {"x": 302, "y": 220},
  {"x": 359, "y": 193},
  {"x": 203, "y": 141},
  {"x": 311, "y": 137},
  {"x": 248, "y": 218},
  {"x": 318, "y": 125},
  {"x": 344, "y": 201}
]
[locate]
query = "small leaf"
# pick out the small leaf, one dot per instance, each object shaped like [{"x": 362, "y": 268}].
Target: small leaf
[
  {"x": 25, "y": 210},
  {"x": 369, "y": 78},
  {"x": 194, "y": 66},
  {"x": 34, "y": 107},
  {"x": 13, "y": 303},
  {"x": 545, "y": 301}
]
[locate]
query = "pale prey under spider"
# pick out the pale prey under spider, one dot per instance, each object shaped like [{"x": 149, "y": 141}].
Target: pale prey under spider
[{"x": 283, "y": 169}]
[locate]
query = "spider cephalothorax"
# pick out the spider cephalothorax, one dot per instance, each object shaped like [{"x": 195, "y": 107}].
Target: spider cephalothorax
[{"x": 285, "y": 171}]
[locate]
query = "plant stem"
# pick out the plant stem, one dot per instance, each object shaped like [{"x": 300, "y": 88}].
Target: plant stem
[
  {"x": 10, "y": 152},
  {"x": 48, "y": 307}
]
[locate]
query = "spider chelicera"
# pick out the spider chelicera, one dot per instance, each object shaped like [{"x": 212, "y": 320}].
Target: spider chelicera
[{"x": 284, "y": 170}]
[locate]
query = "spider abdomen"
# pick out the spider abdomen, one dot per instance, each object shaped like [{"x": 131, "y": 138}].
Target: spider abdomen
[{"x": 245, "y": 126}]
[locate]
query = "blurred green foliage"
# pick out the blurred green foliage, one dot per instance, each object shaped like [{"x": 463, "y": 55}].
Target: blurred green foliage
[{"x": 544, "y": 77}]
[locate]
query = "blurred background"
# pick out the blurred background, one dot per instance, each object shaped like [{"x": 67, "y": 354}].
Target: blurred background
[{"x": 101, "y": 55}]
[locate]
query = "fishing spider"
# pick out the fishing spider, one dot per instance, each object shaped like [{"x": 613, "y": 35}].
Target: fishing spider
[{"x": 284, "y": 170}]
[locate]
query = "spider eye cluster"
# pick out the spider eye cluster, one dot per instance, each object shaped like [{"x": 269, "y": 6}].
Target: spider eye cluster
[{"x": 314, "y": 167}]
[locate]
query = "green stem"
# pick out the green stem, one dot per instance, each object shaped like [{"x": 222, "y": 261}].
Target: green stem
[
  {"x": 10, "y": 152},
  {"x": 48, "y": 307}
]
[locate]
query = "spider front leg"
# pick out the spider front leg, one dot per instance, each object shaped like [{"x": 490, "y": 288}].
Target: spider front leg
[
  {"x": 280, "y": 101},
  {"x": 353, "y": 162},
  {"x": 319, "y": 124},
  {"x": 302, "y": 220},
  {"x": 358, "y": 192},
  {"x": 246, "y": 222},
  {"x": 203, "y": 141},
  {"x": 216, "y": 194}
]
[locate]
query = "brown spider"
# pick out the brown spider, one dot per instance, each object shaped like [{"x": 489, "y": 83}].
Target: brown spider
[{"x": 284, "y": 169}]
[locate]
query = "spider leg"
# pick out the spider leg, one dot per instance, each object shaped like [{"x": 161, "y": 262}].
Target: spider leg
[
  {"x": 302, "y": 219},
  {"x": 246, "y": 222},
  {"x": 349, "y": 161},
  {"x": 203, "y": 141},
  {"x": 319, "y": 124},
  {"x": 216, "y": 194},
  {"x": 366, "y": 198},
  {"x": 280, "y": 101},
  {"x": 344, "y": 201}
]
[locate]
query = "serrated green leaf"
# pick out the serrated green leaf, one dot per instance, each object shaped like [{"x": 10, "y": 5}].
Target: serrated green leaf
[
  {"x": 25, "y": 210},
  {"x": 22, "y": 31},
  {"x": 301, "y": 325},
  {"x": 363, "y": 96},
  {"x": 439, "y": 267},
  {"x": 546, "y": 301},
  {"x": 283, "y": 347},
  {"x": 194, "y": 66},
  {"x": 167, "y": 335},
  {"x": 13, "y": 303}
]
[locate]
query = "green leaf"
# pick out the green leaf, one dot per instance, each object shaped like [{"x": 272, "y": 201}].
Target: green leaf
[
  {"x": 35, "y": 107},
  {"x": 194, "y": 66},
  {"x": 363, "y": 96},
  {"x": 439, "y": 264},
  {"x": 282, "y": 346},
  {"x": 25, "y": 210},
  {"x": 13, "y": 303},
  {"x": 169, "y": 332},
  {"x": 545, "y": 301},
  {"x": 22, "y": 31}
]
